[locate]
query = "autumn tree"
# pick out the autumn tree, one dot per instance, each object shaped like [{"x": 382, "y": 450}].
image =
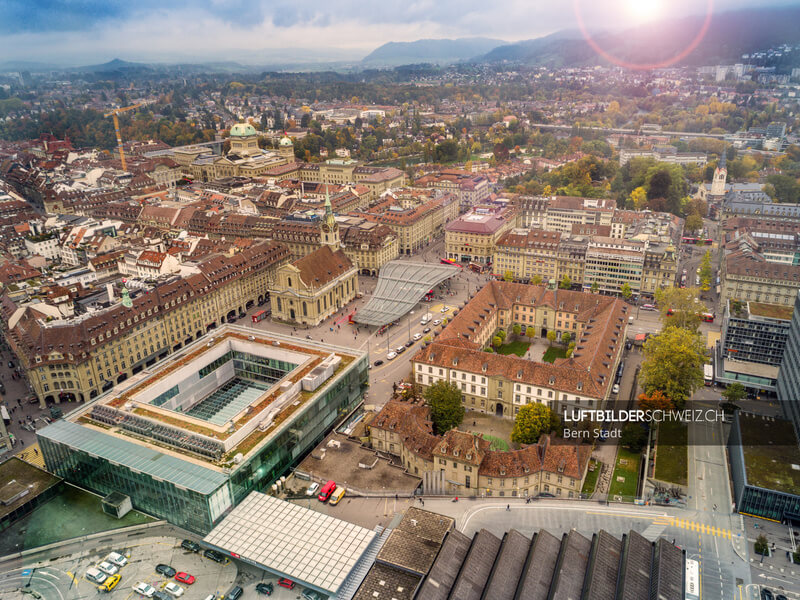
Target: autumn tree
[
  {"x": 694, "y": 222},
  {"x": 508, "y": 276},
  {"x": 551, "y": 336},
  {"x": 537, "y": 280},
  {"x": 626, "y": 291},
  {"x": 531, "y": 422},
  {"x": 517, "y": 329},
  {"x": 705, "y": 271},
  {"x": 444, "y": 400},
  {"x": 655, "y": 400},
  {"x": 530, "y": 331},
  {"x": 680, "y": 307},
  {"x": 673, "y": 363},
  {"x": 565, "y": 283},
  {"x": 595, "y": 287},
  {"x": 566, "y": 337},
  {"x": 638, "y": 198}
]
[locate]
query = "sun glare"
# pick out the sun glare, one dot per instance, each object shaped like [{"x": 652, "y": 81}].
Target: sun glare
[{"x": 642, "y": 11}]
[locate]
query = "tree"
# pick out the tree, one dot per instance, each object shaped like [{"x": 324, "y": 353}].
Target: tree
[
  {"x": 565, "y": 283},
  {"x": 705, "y": 271},
  {"x": 762, "y": 545},
  {"x": 655, "y": 400},
  {"x": 626, "y": 291},
  {"x": 537, "y": 280},
  {"x": 595, "y": 287},
  {"x": 531, "y": 422},
  {"x": 566, "y": 337},
  {"x": 734, "y": 392},
  {"x": 517, "y": 329},
  {"x": 673, "y": 363},
  {"x": 502, "y": 334},
  {"x": 638, "y": 198},
  {"x": 508, "y": 276},
  {"x": 679, "y": 307},
  {"x": 694, "y": 222},
  {"x": 551, "y": 336},
  {"x": 444, "y": 400},
  {"x": 497, "y": 341},
  {"x": 530, "y": 331},
  {"x": 633, "y": 437}
]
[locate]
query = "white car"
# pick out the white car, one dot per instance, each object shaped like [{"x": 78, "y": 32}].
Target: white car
[
  {"x": 436, "y": 323},
  {"x": 173, "y": 589},
  {"x": 107, "y": 568},
  {"x": 444, "y": 309},
  {"x": 615, "y": 389},
  {"x": 391, "y": 356},
  {"x": 312, "y": 489},
  {"x": 145, "y": 589},
  {"x": 115, "y": 558},
  {"x": 416, "y": 336}
]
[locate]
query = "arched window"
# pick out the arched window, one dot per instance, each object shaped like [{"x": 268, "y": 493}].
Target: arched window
[
  {"x": 305, "y": 309},
  {"x": 290, "y": 281}
]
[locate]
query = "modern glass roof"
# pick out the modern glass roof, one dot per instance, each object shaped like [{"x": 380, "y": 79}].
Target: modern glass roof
[
  {"x": 309, "y": 547},
  {"x": 148, "y": 461},
  {"x": 400, "y": 286}
]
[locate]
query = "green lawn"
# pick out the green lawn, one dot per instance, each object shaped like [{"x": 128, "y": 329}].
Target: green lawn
[
  {"x": 519, "y": 348},
  {"x": 630, "y": 471},
  {"x": 497, "y": 443},
  {"x": 554, "y": 352},
  {"x": 671, "y": 452},
  {"x": 591, "y": 478}
]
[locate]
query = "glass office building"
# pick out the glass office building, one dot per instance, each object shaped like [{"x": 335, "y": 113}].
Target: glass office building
[
  {"x": 789, "y": 376},
  {"x": 184, "y": 488}
]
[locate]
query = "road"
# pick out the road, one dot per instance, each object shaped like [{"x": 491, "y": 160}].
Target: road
[{"x": 634, "y": 131}]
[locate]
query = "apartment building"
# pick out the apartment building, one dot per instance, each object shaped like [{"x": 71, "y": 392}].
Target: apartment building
[
  {"x": 82, "y": 357},
  {"x": 528, "y": 254},
  {"x": 747, "y": 276},
  {"x": 565, "y": 211},
  {"x": 473, "y": 237}
]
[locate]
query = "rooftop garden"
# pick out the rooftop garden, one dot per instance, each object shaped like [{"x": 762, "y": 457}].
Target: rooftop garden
[{"x": 771, "y": 454}]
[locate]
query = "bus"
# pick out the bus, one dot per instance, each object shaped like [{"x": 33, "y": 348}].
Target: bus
[
  {"x": 708, "y": 374},
  {"x": 260, "y": 316},
  {"x": 692, "y": 587},
  {"x": 707, "y": 317},
  {"x": 447, "y": 261},
  {"x": 429, "y": 296},
  {"x": 476, "y": 267}
]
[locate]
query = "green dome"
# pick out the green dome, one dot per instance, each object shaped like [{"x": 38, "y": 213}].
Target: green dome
[
  {"x": 242, "y": 130},
  {"x": 286, "y": 141}
]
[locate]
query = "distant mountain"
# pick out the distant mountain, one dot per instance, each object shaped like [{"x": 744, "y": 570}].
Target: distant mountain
[
  {"x": 112, "y": 65},
  {"x": 429, "y": 51},
  {"x": 729, "y": 35}
]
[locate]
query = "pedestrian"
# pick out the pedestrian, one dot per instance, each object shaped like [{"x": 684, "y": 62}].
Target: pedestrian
[{"x": 508, "y": 507}]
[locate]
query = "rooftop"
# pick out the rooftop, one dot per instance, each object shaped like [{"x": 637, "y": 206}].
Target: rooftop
[
  {"x": 287, "y": 539},
  {"x": 21, "y": 482},
  {"x": 771, "y": 453},
  {"x": 771, "y": 311}
]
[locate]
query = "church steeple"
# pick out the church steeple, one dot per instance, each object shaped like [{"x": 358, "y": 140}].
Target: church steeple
[
  {"x": 330, "y": 228},
  {"x": 720, "y": 175}
]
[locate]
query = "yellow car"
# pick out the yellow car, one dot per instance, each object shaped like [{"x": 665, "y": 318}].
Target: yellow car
[{"x": 110, "y": 583}]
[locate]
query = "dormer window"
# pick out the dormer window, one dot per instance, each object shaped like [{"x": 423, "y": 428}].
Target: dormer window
[{"x": 552, "y": 380}]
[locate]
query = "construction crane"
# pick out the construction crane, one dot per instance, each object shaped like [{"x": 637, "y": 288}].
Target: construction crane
[{"x": 114, "y": 114}]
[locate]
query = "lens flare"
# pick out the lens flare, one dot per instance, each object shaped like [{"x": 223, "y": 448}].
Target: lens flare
[{"x": 642, "y": 11}]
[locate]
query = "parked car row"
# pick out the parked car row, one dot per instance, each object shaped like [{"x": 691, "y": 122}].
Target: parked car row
[
  {"x": 329, "y": 491},
  {"x": 106, "y": 574}
]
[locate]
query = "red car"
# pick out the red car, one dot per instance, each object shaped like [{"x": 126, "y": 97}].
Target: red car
[
  {"x": 184, "y": 578},
  {"x": 326, "y": 491},
  {"x": 287, "y": 583}
]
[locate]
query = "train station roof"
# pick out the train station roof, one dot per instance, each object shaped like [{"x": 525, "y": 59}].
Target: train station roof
[{"x": 401, "y": 285}]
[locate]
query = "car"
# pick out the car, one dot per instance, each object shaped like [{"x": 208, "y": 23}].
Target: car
[
  {"x": 190, "y": 545},
  {"x": 546, "y": 495},
  {"x": 95, "y": 575},
  {"x": 311, "y": 595},
  {"x": 615, "y": 389},
  {"x": 108, "y": 568},
  {"x": 391, "y": 356},
  {"x": 144, "y": 589},
  {"x": 326, "y": 490},
  {"x": 214, "y": 555},
  {"x": 628, "y": 345},
  {"x": 110, "y": 583},
  {"x": 308, "y": 337},
  {"x": 115, "y": 558},
  {"x": 410, "y": 343},
  {"x": 10, "y": 364},
  {"x": 184, "y": 578},
  {"x": 313, "y": 489},
  {"x": 444, "y": 310},
  {"x": 426, "y": 330},
  {"x": 400, "y": 349},
  {"x": 378, "y": 363},
  {"x": 165, "y": 570},
  {"x": 234, "y": 594},
  {"x": 173, "y": 589},
  {"x": 416, "y": 336},
  {"x": 437, "y": 322},
  {"x": 159, "y": 595},
  {"x": 287, "y": 583},
  {"x": 265, "y": 588},
  {"x": 767, "y": 594}
]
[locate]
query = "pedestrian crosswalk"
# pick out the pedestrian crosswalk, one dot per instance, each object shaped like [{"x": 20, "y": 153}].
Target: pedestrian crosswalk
[
  {"x": 694, "y": 526},
  {"x": 32, "y": 455}
]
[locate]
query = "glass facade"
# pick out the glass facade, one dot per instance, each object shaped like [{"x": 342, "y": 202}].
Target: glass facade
[
  {"x": 789, "y": 375},
  {"x": 105, "y": 464},
  {"x": 250, "y": 366},
  {"x": 164, "y": 396},
  {"x": 755, "y": 340}
]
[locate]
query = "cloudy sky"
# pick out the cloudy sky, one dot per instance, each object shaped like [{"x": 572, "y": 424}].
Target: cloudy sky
[{"x": 256, "y": 31}]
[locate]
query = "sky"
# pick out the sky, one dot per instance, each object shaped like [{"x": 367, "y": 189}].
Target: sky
[{"x": 259, "y": 31}]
